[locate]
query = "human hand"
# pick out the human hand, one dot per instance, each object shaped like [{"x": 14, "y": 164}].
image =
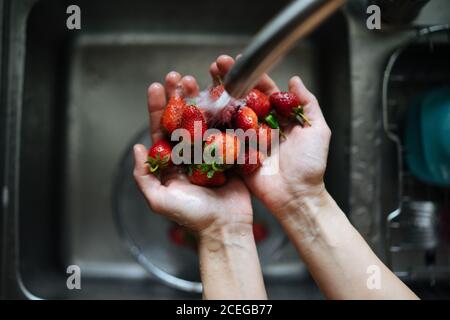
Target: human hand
[
  {"x": 198, "y": 208},
  {"x": 302, "y": 156}
]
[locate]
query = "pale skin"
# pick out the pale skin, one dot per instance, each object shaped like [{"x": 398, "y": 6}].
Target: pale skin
[{"x": 336, "y": 255}]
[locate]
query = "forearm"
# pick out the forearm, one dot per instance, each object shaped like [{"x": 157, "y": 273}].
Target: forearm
[
  {"x": 229, "y": 263},
  {"x": 336, "y": 254}
]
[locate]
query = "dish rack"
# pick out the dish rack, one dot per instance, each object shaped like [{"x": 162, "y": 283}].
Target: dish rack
[{"x": 418, "y": 231}]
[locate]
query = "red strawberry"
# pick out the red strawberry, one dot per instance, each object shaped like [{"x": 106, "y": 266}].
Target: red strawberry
[
  {"x": 182, "y": 236},
  {"x": 259, "y": 102},
  {"x": 171, "y": 118},
  {"x": 159, "y": 156},
  {"x": 252, "y": 161},
  {"x": 259, "y": 232},
  {"x": 191, "y": 115},
  {"x": 288, "y": 105},
  {"x": 246, "y": 119},
  {"x": 226, "y": 146},
  {"x": 203, "y": 175},
  {"x": 216, "y": 92},
  {"x": 176, "y": 234},
  {"x": 264, "y": 136}
]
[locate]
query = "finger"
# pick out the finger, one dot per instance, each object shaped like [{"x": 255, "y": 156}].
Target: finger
[
  {"x": 307, "y": 99},
  {"x": 156, "y": 101},
  {"x": 190, "y": 87},
  {"x": 173, "y": 85},
  {"x": 267, "y": 85},
  {"x": 215, "y": 74},
  {"x": 147, "y": 182},
  {"x": 224, "y": 64}
]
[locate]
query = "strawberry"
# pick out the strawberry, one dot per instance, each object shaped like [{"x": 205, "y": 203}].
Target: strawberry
[
  {"x": 216, "y": 92},
  {"x": 171, "y": 118},
  {"x": 259, "y": 232},
  {"x": 203, "y": 175},
  {"x": 182, "y": 236},
  {"x": 191, "y": 115},
  {"x": 252, "y": 161},
  {"x": 226, "y": 146},
  {"x": 176, "y": 234},
  {"x": 288, "y": 105},
  {"x": 246, "y": 119},
  {"x": 259, "y": 102},
  {"x": 264, "y": 136},
  {"x": 159, "y": 156}
]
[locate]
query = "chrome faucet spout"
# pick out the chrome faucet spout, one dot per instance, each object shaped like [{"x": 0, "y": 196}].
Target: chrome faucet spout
[{"x": 295, "y": 22}]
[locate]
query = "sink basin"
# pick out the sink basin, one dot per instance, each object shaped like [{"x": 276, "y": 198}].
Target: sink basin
[{"x": 83, "y": 101}]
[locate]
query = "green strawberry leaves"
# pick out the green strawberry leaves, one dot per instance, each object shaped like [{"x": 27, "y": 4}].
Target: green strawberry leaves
[
  {"x": 272, "y": 121},
  {"x": 208, "y": 169},
  {"x": 157, "y": 163},
  {"x": 300, "y": 116}
]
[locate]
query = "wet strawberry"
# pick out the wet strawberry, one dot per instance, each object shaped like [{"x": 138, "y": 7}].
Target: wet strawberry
[
  {"x": 288, "y": 105},
  {"x": 258, "y": 102},
  {"x": 176, "y": 235},
  {"x": 260, "y": 232},
  {"x": 246, "y": 119},
  {"x": 181, "y": 236},
  {"x": 191, "y": 116},
  {"x": 171, "y": 117},
  {"x": 264, "y": 137},
  {"x": 225, "y": 145},
  {"x": 253, "y": 160},
  {"x": 159, "y": 156},
  {"x": 203, "y": 175},
  {"x": 216, "y": 92}
]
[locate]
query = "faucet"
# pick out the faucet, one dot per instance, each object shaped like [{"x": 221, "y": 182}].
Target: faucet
[{"x": 294, "y": 22}]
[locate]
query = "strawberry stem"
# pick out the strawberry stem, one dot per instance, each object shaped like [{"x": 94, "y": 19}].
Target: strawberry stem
[
  {"x": 154, "y": 168},
  {"x": 300, "y": 116},
  {"x": 272, "y": 121},
  {"x": 217, "y": 167},
  {"x": 300, "y": 120},
  {"x": 306, "y": 119}
]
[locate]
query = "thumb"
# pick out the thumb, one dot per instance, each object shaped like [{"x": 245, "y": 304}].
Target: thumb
[
  {"x": 307, "y": 99},
  {"x": 149, "y": 185}
]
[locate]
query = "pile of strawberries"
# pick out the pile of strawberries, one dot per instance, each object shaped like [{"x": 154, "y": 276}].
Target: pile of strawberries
[{"x": 256, "y": 111}]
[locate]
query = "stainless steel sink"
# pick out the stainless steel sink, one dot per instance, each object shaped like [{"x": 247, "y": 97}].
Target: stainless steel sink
[{"x": 83, "y": 101}]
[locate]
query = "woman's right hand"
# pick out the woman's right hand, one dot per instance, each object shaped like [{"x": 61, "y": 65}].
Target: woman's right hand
[{"x": 302, "y": 156}]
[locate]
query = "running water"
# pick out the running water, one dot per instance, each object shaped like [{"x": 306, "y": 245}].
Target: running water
[{"x": 217, "y": 111}]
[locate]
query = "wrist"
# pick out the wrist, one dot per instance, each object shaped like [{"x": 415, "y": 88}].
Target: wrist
[
  {"x": 222, "y": 234},
  {"x": 229, "y": 264},
  {"x": 315, "y": 224},
  {"x": 305, "y": 214},
  {"x": 302, "y": 201}
]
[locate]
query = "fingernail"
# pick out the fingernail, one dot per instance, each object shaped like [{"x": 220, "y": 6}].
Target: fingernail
[
  {"x": 173, "y": 74},
  {"x": 154, "y": 86},
  {"x": 188, "y": 78},
  {"x": 223, "y": 57}
]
